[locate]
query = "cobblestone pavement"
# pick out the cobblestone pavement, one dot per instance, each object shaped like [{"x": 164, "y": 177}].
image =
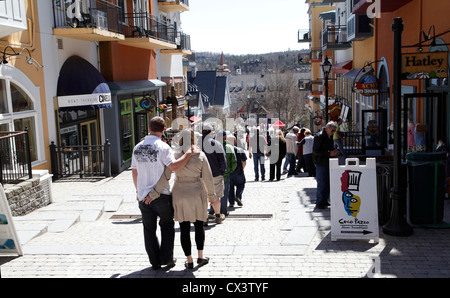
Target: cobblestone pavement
[{"x": 276, "y": 234}]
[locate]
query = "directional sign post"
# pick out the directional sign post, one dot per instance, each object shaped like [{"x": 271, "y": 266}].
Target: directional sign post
[{"x": 353, "y": 195}]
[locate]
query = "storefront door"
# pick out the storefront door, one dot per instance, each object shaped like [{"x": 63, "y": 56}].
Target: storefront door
[{"x": 89, "y": 140}]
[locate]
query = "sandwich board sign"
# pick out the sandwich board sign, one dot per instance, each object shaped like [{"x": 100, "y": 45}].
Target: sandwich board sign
[
  {"x": 353, "y": 196},
  {"x": 9, "y": 242}
]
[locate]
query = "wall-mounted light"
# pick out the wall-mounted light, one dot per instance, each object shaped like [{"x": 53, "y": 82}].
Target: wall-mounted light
[{"x": 25, "y": 52}]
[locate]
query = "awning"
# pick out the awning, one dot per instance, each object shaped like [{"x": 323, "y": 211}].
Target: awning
[
  {"x": 342, "y": 67},
  {"x": 124, "y": 87},
  {"x": 81, "y": 86},
  {"x": 278, "y": 123}
]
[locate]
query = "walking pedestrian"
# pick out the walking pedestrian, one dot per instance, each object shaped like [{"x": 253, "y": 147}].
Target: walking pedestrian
[
  {"x": 301, "y": 167},
  {"x": 149, "y": 158},
  {"x": 237, "y": 177},
  {"x": 277, "y": 153},
  {"x": 257, "y": 150},
  {"x": 323, "y": 149},
  {"x": 192, "y": 190},
  {"x": 307, "y": 143},
  {"x": 291, "y": 150},
  {"x": 231, "y": 166},
  {"x": 216, "y": 158}
]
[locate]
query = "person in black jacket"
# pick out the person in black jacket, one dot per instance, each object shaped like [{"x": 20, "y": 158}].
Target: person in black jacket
[
  {"x": 277, "y": 153},
  {"x": 323, "y": 149},
  {"x": 216, "y": 157}
]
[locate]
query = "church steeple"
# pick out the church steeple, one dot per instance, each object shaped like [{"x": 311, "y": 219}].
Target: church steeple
[{"x": 222, "y": 71}]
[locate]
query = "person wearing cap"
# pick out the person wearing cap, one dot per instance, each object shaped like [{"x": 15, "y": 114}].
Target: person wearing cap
[{"x": 216, "y": 158}]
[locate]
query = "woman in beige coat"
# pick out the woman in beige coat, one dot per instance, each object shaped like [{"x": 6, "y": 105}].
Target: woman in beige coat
[{"x": 192, "y": 189}]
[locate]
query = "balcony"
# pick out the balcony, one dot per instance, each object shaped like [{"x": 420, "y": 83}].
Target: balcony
[
  {"x": 92, "y": 21},
  {"x": 359, "y": 27},
  {"x": 146, "y": 31},
  {"x": 183, "y": 42},
  {"x": 174, "y": 5},
  {"x": 316, "y": 55},
  {"x": 13, "y": 17},
  {"x": 304, "y": 35},
  {"x": 335, "y": 38},
  {"x": 304, "y": 85}
]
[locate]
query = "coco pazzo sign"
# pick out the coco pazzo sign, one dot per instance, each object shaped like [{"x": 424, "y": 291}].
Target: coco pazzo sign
[{"x": 353, "y": 195}]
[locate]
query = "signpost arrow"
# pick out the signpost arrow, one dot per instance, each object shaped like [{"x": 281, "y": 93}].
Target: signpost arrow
[{"x": 364, "y": 232}]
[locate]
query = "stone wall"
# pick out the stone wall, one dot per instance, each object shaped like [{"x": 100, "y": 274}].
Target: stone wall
[{"x": 28, "y": 195}]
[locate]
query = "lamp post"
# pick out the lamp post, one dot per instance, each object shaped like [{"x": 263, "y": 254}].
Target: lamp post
[
  {"x": 397, "y": 224},
  {"x": 326, "y": 68},
  {"x": 188, "y": 97}
]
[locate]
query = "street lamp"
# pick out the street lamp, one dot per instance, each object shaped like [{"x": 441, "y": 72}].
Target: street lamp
[
  {"x": 188, "y": 97},
  {"x": 326, "y": 69}
]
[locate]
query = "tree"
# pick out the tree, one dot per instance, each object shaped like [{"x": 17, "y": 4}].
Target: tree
[{"x": 283, "y": 96}]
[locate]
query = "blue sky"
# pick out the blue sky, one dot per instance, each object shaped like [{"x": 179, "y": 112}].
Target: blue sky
[{"x": 245, "y": 26}]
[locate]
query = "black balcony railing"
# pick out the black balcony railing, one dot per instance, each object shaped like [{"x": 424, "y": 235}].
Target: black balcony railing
[
  {"x": 90, "y": 14},
  {"x": 304, "y": 35},
  {"x": 15, "y": 156},
  {"x": 184, "y": 41},
  {"x": 146, "y": 25},
  {"x": 182, "y": 1},
  {"x": 82, "y": 161},
  {"x": 335, "y": 37}
]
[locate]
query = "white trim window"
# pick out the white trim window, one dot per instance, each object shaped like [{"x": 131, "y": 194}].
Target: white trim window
[{"x": 18, "y": 112}]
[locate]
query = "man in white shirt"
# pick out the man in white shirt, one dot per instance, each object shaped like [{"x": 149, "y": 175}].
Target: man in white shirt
[{"x": 149, "y": 159}]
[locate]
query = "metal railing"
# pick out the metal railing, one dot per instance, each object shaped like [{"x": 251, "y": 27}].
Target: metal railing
[
  {"x": 82, "y": 161},
  {"x": 90, "y": 14},
  {"x": 304, "y": 35},
  {"x": 334, "y": 36},
  {"x": 143, "y": 24},
  {"x": 182, "y": 1},
  {"x": 353, "y": 142},
  {"x": 15, "y": 156},
  {"x": 184, "y": 41}
]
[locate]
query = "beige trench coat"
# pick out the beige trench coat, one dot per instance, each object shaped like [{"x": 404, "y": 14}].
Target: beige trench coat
[{"x": 192, "y": 188}]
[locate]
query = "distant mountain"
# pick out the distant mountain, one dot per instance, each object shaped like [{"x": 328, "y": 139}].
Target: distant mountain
[{"x": 252, "y": 63}]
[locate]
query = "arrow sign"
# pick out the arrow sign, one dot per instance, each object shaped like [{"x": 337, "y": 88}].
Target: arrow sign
[{"x": 364, "y": 232}]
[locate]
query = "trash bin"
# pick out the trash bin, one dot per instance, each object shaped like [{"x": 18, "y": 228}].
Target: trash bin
[{"x": 426, "y": 187}]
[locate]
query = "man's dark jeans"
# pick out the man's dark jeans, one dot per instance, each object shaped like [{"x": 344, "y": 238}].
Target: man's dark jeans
[
  {"x": 237, "y": 179},
  {"x": 162, "y": 207}
]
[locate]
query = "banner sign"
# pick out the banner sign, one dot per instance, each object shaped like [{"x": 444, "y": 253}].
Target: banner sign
[
  {"x": 354, "y": 203},
  {"x": 9, "y": 242},
  {"x": 95, "y": 99},
  {"x": 424, "y": 65}
]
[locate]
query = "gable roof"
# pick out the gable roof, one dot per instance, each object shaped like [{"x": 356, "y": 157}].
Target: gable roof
[{"x": 215, "y": 88}]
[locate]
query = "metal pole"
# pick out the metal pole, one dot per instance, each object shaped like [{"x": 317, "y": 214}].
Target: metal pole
[
  {"x": 397, "y": 225},
  {"x": 326, "y": 97}
]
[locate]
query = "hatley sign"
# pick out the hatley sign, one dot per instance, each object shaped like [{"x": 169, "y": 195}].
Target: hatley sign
[{"x": 424, "y": 65}]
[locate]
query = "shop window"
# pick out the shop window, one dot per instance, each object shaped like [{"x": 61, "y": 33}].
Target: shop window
[{"x": 22, "y": 116}]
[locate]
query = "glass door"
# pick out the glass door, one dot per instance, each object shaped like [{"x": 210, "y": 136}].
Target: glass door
[{"x": 91, "y": 153}]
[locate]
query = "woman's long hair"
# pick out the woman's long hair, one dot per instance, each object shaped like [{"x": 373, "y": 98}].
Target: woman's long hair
[{"x": 187, "y": 140}]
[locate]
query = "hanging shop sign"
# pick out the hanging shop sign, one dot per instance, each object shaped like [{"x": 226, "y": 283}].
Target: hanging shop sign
[
  {"x": 354, "y": 204},
  {"x": 9, "y": 241},
  {"x": 148, "y": 103},
  {"x": 424, "y": 65},
  {"x": 367, "y": 85}
]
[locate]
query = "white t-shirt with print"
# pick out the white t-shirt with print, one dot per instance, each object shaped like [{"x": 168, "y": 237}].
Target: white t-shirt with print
[{"x": 149, "y": 158}]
